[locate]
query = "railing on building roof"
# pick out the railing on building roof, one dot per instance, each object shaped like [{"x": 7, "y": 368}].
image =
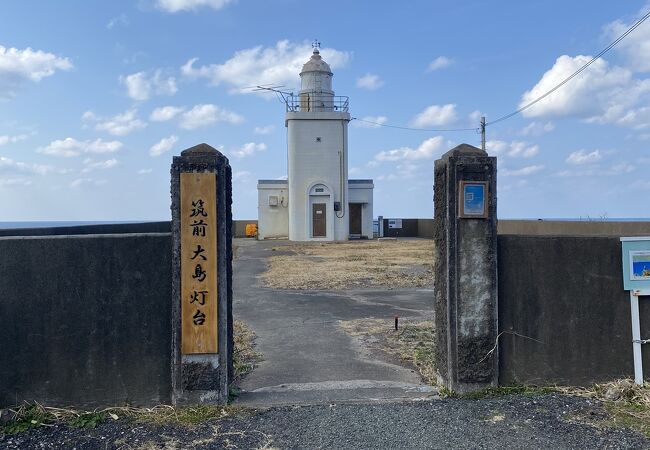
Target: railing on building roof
[{"x": 316, "y": 102}]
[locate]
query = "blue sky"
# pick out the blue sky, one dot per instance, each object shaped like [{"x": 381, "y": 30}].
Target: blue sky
[{"x": 96, "y": 98}]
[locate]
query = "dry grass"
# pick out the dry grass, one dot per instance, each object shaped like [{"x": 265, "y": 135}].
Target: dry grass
[
  {"x": 244, "y": 355},
  {"x": 412, "y": 343},
  {"x": 627, "y": 403},
  {"x": 364, "y": 264}
]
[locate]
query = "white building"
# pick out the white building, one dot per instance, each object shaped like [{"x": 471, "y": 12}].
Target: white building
[{"x": 317, "y": 201}]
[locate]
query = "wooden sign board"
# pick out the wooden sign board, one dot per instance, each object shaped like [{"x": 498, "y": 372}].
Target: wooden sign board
[{"x": 199, "y": 298}]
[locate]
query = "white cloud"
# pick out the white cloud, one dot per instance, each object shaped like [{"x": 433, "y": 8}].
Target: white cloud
[
  {"x": 370, "y": 81},
  {"x": 165, "y": 113},
  {"x": 524, "y": 171},
  {"x": 174, "y": 6},
  {"x": 91, "y": 165},
  {"x": 370, "y": 122},
  {"x": 279, "y": 65},
  {"x": 18, "y": 66},
  {"x": 71, "y": 147},
  {"x": 582, "y": 157},
  {"x": 440, "y": 62},
  {"x": 86, "y": 182},
  {"x": 204, "y": 115},
  {"x": 248, "y": 149},
  {"x": 9, "y": 182},
  {"x": 8, "y": 165},
  {"x": 142, "y": 85},
  {"x": 144, "y": 171},
  {"x": 241, "y": 175},
  {"x": 475, "y": 117},
  {"x": 428, "y": 149},
  {"x": 514, "y": 149},
  {"x": 537, "y": 129},
  {"x": 435, "y": 115},
  {"x": 163, "y": 146},
  {"x": 4, "y": 140},
  {"x": 600, "y": 94},
  {"x": 264, "y": 130},
  {"x": 119, "y": 125},
  {"x": 596, "y": 171},
  {"x": 636, "y": 46},
  {"x": 119, "y": 21}
]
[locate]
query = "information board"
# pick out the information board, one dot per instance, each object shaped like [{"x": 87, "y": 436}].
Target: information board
[
  {"x": 636, "y": 264},
  {"x": 198, "y": 263},
  {"x": 473, "y": 200},
  {"x": 394, "y": 223}
]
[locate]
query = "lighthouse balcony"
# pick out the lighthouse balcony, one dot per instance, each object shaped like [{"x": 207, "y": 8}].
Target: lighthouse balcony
[{"x": 317, "y": 102}]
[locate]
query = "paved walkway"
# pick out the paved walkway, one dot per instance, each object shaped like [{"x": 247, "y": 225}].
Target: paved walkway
[{"x": 307, "y": 357}]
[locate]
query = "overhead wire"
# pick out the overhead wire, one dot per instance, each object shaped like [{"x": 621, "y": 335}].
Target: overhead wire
[
  {"x": 574, "y": 74},
  {"x": 415, "y": 129}
]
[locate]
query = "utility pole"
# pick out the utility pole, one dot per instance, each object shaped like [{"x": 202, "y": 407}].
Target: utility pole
[{"x": 483, "y": 133}]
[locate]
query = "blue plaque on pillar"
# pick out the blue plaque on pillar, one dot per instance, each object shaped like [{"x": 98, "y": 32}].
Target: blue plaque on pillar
[
  {"x": 473, "y": 199},
  {"x": 636, "y": 264}
]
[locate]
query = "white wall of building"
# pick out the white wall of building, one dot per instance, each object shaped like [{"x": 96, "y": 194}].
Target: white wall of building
[
  {"x": 272, "y": 209},
  {"x": 361, "y": 191},
  {"x": 317, "y": 146}
]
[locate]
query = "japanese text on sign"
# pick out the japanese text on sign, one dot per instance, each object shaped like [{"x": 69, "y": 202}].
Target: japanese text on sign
[{"x": 198, "y": 263}]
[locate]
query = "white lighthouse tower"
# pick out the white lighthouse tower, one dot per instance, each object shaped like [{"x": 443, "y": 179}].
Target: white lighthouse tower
[
  {"x": 317, "y": 202},
  {"x": 317, "y": 134}
]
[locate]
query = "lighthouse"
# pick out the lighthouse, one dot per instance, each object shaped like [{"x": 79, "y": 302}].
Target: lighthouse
[{"x": 317, "y": 202}]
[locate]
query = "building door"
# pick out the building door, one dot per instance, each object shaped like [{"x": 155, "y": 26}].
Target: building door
[
  {"x": 319, "y": 220},
  {"x": 355, "y": 219}
]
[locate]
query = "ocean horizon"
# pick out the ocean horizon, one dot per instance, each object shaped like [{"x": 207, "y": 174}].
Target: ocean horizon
[{"x": 72, "y": 223}]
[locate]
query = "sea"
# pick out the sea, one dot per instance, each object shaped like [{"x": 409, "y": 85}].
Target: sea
[
  {"x": 65, "y": 223},
  {"x": 72, "y": 223}
]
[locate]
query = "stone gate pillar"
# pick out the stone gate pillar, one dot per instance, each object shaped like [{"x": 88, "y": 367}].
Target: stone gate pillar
[
  {"x": 202, "y": 340},
  {"x": 465, "y": 233}
]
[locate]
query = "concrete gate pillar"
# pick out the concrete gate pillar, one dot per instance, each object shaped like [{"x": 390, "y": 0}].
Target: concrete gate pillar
[
  {"x": 202, "y": 334},
  {"x": 465, "y": 233}
]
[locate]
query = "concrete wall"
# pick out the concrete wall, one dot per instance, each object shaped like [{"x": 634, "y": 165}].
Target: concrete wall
[
  {"x": 567, "y": 294},
  {"x": 273, "y": 221},
  {"x": 86, "y": 320},
  {"x": 573, "y": 228},
  {"x": 239, "y": 227},
  {"x": 109, "y": 228}
]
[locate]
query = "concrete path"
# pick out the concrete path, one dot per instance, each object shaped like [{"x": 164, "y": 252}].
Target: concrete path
[{"x": 307, "y": 357}]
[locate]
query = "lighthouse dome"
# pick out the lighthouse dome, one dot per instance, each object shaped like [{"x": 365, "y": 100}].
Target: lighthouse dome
[{"x": 316, "y": 64}]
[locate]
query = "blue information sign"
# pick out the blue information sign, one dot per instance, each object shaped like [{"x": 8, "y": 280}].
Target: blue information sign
[
  {"x": 473, "y": 201},
  {"x": 636, "y": 264}
]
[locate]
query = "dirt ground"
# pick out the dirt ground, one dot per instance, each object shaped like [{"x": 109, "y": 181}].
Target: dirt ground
[{"x": 385, "y": 264}]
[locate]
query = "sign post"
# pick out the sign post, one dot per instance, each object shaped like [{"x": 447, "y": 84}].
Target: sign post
[
  {"x": 636, "y": 279},
  {"x": 201, "y": 276}
]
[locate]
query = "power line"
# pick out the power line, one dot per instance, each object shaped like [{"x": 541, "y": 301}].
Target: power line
[
  {"x": 574, "y": 74},
  {"x": 415, "y": 129}
]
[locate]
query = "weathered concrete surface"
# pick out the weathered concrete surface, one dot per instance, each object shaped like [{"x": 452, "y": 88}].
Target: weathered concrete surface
[
  {"x": 307, "y": 357},
  {"x": 565, "y": 294},
  {"x": 465, "y": 271},
  {"x": 85, "y": 320},
  {"x": 573, "y": 228}
]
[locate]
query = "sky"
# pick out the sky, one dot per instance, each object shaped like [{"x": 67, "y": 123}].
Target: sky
[{"x": 97, "y": 97}]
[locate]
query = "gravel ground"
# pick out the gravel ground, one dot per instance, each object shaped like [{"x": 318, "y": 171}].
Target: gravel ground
[{"x": 514, "y": 422}]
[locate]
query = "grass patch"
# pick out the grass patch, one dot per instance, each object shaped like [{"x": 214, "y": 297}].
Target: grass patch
[
  {"x": 627, "y": 404},
  {"x": 385, "y": 264},
  {"x": 412, "y": 343},
  {"x": 33, "y": 415},
  {"x": 245, "y": 358}
]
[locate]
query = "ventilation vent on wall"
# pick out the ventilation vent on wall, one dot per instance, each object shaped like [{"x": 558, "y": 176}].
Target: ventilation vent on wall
[{"x": 273, "y": 200}]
